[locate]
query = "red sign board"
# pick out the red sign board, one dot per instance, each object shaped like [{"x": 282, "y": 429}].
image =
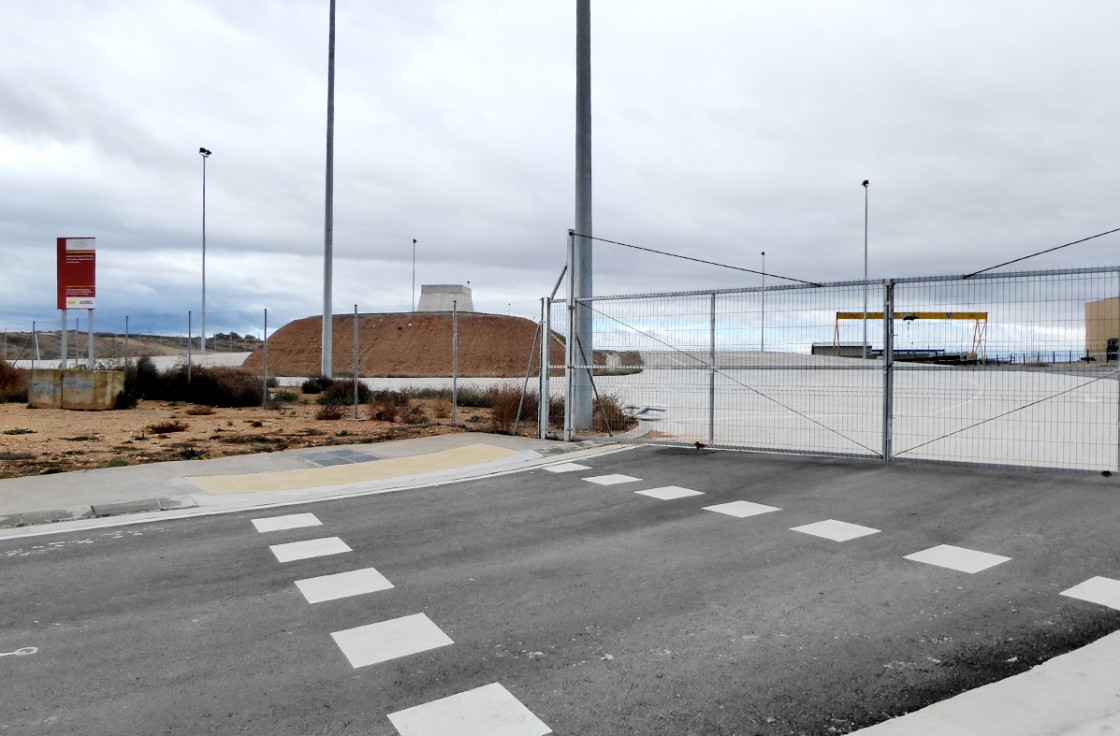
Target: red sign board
[{"x": 77, "y": 273}]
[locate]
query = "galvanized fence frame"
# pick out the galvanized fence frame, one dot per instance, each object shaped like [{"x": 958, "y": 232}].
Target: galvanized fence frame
[{"x": 1001, "y": 380}]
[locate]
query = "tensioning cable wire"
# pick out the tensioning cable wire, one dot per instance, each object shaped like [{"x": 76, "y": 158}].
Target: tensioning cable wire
[{"x": 1041, "y": 252}]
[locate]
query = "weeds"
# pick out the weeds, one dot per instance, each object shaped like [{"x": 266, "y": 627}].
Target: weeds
[
  {"x": 341, "y": 393},
  {"x": 329, "y": 412},
  {"x": 166, "y": 427},
  {"x": 19, "y": 430},
  {"x": 200, "y": 410}
]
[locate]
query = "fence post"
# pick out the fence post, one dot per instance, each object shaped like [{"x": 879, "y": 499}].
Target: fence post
[
  {"x": 888, "y": 368},
  {"x": 264, "y": 362},
  {"x": 1117, "y": 369},
  {"x": 189, "y": 330},
  {"x": 126, "y": 341},
  {"x": 454, "y": 361},
  {"x": 356, "y": 361},
  {"x": 712, "y": 376},
  {"x": 545, "y": 361},
  {"x": 90, "y": 351}
]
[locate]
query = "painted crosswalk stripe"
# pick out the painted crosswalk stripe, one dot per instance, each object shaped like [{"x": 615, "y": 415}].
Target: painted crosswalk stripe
[
  {"x": 611, "y": 480},
  {"x": 291, "y": 551},
  {"x": 741, "y": 509},
  {"x": 566, "y": 468},
  {"x": 490, "y": 710},
  {"x": 1103, "y": 591},
  {"x": 342, "y": 585},
  {"x": 957, "y": 558},
  {"x": 837, "y": 531},
  {"x": 669, "y": 493},
  {"x": 291, "y": 521},
  {"x": 398, "y": 637}
]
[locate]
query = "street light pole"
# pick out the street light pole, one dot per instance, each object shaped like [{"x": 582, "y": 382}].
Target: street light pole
[
  {"x": 205, "y": 153},
  {"x": 414, "y": 274},
  {"x": 866, "y": 184}
]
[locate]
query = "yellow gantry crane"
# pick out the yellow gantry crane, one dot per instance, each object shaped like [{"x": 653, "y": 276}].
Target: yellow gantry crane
[{"x": 979, "y": 330}]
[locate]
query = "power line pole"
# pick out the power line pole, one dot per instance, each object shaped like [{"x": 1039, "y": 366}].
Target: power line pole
[{"x": 581, "y": 267}]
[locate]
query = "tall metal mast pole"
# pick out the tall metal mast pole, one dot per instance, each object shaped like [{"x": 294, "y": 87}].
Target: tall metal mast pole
[
  {"x": 328, "y": 224},
  {"x": 581, "y": 272}
]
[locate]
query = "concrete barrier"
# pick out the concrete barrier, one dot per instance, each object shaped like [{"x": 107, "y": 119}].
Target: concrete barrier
[{"x": 75, "y": 389}]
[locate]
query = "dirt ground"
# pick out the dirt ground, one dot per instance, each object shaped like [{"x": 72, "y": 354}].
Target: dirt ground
[{"x": 39, "y": 441}]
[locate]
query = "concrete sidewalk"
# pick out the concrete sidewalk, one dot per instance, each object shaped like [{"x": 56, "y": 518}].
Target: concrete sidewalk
[{"x": 48, "y": 503}]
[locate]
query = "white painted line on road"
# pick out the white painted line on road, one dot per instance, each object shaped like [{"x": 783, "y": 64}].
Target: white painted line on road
[
  {"x": 342, "y": 585},
  {"x": 669, "y": 493},
  {"x": 837, "y": 531},
  {"x": 741, "y": 509},
  {"x": 490, "y": 710},
  {"x": 957, "y": 558},
  {"x": 611, "y": 480},
  {"x": 566, "y": 468},
  {"x": 398, "y": 637},
  {"x": 291, "y": 521},
  {"x": 1104, "y": 591},
  {"x": 310, "y": 548}
]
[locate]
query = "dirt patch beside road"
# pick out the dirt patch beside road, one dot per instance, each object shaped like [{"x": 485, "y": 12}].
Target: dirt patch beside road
[{"x": 38, "y": 441}]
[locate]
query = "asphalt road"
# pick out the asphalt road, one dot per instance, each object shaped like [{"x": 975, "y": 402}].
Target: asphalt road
[{"x": 602, "y": 611}]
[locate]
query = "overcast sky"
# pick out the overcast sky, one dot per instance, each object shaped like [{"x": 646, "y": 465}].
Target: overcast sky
[{"x": 722, "y": 128}]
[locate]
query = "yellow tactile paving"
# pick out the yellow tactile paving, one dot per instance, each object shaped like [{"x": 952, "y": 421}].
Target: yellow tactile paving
[{"x": 289, "y": 480}]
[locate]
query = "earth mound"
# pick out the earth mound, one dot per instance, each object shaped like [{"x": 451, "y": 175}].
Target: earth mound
[{"x": 409, "y": 345}]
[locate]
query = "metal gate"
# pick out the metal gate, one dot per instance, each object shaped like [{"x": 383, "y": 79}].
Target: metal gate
[{"x": 997, "y": 369}]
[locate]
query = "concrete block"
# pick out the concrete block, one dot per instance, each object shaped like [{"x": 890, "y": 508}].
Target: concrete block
[
  {"x": 91, "y": 390},
  {"x": 45, "y": 391},
  {"x": 443, "y": 297}
]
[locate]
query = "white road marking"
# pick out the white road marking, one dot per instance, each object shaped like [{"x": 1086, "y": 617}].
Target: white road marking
[
  {"x": 611, "y": 480},
  {"x": 1104, "y": 591},
  {"x": 342, "y": 585},
  {"x": 398, "y": 637},
  {"x": 22, "y": 652},
  {"x": 490, "y": 710},
  {"x": 311, "y": 548},
  {"x": 741, "y": 509},
  {"x": 291, "y": 521},
  {"x": 837, "y": 531},
  {"x": 669, "y": 493},
  {"x": 566, "y": 468},
  {"x": 957, "y": 558}
]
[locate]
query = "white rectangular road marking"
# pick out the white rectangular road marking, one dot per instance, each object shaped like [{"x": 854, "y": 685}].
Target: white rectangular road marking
[
  {"x": 398, "y": 637},
  {"x": 611, "y": 480},
  {"x": 1104, "y": 591},
  {"x": 957, "y": 558},
  {"x": 489, "y": 710},
  {"x": 566, "y": 468},
  {"x": 837, "y": 531},
  {"x": 342, "y": 585},
  {"x": 291, "y": 521},
  {"x": 741, "y": 509},
  {"x": 310, "y": 548},
  {"x": 669, "y": 493}
]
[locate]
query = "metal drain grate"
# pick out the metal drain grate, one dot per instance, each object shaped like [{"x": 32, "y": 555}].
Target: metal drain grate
[{"x": 339, "y": 457}]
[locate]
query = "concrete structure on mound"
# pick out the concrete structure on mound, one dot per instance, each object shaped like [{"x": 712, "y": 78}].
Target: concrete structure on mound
[{"x": 445, "y": 298}]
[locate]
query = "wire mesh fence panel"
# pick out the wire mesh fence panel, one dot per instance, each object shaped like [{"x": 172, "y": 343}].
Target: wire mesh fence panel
[
  {"x": 754, "y": 368},
  {"x": 1008, "y": 370}
]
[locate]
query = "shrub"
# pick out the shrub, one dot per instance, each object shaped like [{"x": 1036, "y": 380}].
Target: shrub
[
  {"x": 286, "y": 397},
  {"x": 383, "y": 410},
  {"x": 503, "y": 402},
  {"x": 414, "y": 415},
  {"x": 341, "y": 393},
  {"x": 329, "y": 412},
  {"x": 475, "y": 398},
  {"x": 398, "y": 399},
  {"x": 14, "y": 383},
  {"x": 200, "y": 411},
  {"x": 166, "y": 427},
  {"x": 316, "y": 385}
]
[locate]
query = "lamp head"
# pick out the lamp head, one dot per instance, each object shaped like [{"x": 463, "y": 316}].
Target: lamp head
[
  {"x": 866, "y": 183},
  {"x": 204, "y": 152}
]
